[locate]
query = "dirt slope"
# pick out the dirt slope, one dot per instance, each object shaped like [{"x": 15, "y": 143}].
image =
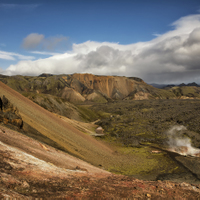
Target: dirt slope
[
  {"x": 24, "y": 146},
  {"x": 71, "y": 139}
]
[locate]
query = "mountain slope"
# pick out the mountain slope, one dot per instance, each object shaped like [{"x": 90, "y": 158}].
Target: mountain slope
[
  {"x": 61, "y": 106},
  {"x": 186, "y": 91},
  {"x": 65, "y": 135},
  {"x": 15, "y": 141}
]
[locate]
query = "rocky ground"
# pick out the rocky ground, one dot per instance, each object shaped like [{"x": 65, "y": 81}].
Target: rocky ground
[{"x": 25, "y": 173}]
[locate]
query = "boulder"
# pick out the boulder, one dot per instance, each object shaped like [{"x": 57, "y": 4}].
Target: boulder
[{"x": 99, "y": 130}]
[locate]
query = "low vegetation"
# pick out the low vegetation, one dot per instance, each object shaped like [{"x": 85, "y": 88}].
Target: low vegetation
[{"x": 136, "y": 122}]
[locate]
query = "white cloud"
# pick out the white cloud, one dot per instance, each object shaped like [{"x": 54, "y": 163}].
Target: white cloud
[
  {"x": 171, "y": 57},
  {"x": 57, "y": 64},
  {"x": 38, "y": 41},
  {"x": 156, "y": 34},
  {"x": 13, "y": 56},
  {"x": 45, "y": 53}
]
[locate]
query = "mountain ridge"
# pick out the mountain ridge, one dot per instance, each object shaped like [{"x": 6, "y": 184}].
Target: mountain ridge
[
  {"x": 77, "y": 87},
  {"x": 163, "y": 86}
]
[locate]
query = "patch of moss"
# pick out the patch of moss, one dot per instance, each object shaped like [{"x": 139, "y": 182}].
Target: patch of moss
[
  {"x": 140, "y": 161},
  {"x": 99, "y": 99},
  {"x": 147, "y": 109}
]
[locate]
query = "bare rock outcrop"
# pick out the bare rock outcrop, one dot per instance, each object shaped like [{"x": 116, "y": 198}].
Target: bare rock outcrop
[{"x": 9, "y": 115}]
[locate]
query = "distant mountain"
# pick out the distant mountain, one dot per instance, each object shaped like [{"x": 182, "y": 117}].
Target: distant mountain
[
  {"x": 167, "y": 86},
  {"x": 193, "y": 84},
  {"x": 45, "y": 75},
  {"x": 182, "y": 84}
]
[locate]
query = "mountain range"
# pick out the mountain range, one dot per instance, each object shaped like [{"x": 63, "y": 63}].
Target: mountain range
[{"x": 87, "y": 87}]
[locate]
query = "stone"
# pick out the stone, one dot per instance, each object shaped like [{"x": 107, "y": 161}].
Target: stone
[
  {"x": 25, "y": 184},
  {"x": 148, "y": 195},
  {"x": 99, "y": 130}
]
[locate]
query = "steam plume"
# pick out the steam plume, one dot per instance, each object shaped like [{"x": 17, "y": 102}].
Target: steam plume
[{"x": 180, "y": 143}]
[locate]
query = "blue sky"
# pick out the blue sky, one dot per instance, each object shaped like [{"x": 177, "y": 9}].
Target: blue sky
[{"x": 110, "y": 37}]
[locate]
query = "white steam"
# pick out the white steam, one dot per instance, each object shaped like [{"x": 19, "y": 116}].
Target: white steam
[{"x": 180, "y": 143}]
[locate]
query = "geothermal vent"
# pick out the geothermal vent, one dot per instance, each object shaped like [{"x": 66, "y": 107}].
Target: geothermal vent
[{"x": 178, "y": 142}]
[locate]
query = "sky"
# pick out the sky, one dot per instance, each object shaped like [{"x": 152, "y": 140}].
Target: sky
[{"x": 156, "y": 40}]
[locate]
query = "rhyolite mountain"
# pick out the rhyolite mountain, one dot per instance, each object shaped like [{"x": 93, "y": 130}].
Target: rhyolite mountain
[
  {"x": 86, "y": 87},
  {"x": 61, "y": 94}
]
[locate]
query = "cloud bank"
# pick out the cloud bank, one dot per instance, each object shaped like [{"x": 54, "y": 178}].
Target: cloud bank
[{"x": 172, "y": 57}]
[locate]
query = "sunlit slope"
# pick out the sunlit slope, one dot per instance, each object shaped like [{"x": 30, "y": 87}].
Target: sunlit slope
[{"x": 65, "y": 135}]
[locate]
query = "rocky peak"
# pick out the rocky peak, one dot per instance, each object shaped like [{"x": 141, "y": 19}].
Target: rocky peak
[
  {"x": 193, "y": 84},
  {"x": 45, "y": 75}
]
